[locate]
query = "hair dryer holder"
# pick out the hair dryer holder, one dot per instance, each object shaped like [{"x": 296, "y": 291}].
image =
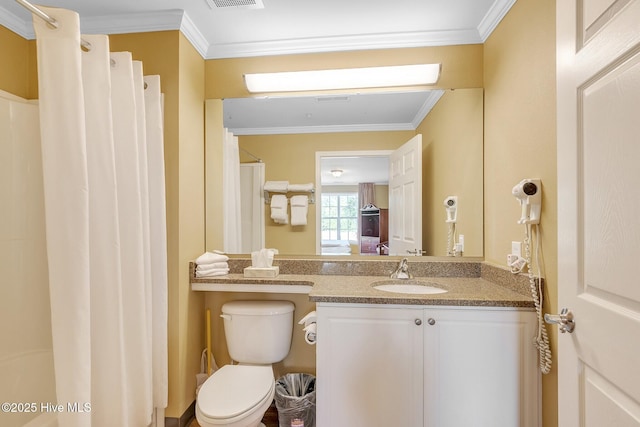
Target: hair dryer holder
[
  {"x": 451, "y": 205},
  {"x": 529, "y": 195}
]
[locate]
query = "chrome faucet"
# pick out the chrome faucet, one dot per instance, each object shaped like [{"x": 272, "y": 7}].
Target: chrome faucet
[{"x": 402, "y": 272}]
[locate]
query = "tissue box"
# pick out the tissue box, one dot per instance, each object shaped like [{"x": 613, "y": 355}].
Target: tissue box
[{"x": 261, "y": 271}]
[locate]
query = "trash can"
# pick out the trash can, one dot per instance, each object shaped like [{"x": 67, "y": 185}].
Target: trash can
[{"x": 296, "y": 400}]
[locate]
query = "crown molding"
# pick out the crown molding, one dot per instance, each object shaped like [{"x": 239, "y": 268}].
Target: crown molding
[
  {"x": 179, "y": 20},
  {"x": 193, "y": 34},
  {"x": 106, "y": 24},
  {"x": 429, "y": 103},
  {"x": 23, "y": 28},
  {"x": 133, "y": 22},
  {"x": 367, "y": 127},
  {"x": 343, "y": 43},
  {"x": 493, "y": 17}
]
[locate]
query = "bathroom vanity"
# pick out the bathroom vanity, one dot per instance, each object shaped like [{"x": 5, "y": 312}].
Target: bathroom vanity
[
  {"x": 464, "y": 357},
  {"x": 436, "y": 366}
]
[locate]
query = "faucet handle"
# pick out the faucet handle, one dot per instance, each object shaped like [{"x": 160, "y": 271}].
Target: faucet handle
[{"x": 402, "y": 272}]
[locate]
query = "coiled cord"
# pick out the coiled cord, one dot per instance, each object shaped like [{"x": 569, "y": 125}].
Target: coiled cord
[
  {"x": 541, "y": 339},
  {"x": 451, "y": 251}
]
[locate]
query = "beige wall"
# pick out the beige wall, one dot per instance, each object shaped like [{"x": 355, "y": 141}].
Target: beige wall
[
  {"x": 292, "y": 158},
  {"x": 452, "y": 144},
  {"x": 17, "y": 59},
  {"x": 214, "y": 140},
  {"x": 520, "y": 142}
]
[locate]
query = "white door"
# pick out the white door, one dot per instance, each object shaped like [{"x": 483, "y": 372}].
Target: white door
[
  {"x": 598, "y": 63},
  {"x": 405, "y": 198}
]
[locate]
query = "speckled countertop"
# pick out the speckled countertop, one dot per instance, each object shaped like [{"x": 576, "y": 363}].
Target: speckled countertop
[
  {"x": 466, "y": 285},
  {"x": 461, "y": 291}
]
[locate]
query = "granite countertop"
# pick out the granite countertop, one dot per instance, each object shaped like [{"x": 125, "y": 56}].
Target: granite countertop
[{"x": 461, "y": 291}]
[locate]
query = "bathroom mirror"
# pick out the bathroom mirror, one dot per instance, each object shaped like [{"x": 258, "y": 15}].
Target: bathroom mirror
[{"x": 452, "y": 162}]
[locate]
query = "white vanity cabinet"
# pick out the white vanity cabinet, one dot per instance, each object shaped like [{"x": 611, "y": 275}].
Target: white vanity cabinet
[{"x": 398, "y": 365}]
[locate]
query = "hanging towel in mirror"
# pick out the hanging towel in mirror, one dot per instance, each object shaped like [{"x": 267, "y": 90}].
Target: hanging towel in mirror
[
  {"x": 299, "y": 208},
  {"x": 279, "y": 209}
]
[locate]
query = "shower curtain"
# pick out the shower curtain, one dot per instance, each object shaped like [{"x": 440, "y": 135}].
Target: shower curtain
[
  {"x": 103, "y": 167},
  {"x": 231, "y": 194}
]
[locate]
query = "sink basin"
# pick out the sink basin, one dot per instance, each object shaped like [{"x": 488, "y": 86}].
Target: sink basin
[{"x": 408, "y": 286}]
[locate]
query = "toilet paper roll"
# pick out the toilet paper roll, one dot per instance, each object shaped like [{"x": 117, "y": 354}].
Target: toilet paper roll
[{"x": 310, "y": 333}]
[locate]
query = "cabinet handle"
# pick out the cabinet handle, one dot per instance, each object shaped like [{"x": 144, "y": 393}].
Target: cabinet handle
[
  {"x": 418, "y": 322},
  {"x": 431, "y": 321}
]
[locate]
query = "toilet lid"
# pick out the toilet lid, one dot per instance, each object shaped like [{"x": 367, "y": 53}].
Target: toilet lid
[{"x": 234, "y": 389}]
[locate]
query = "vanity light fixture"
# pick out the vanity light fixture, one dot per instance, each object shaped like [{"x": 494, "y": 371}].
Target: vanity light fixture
[
  {"x": 337, "y": 173},
  {"x": 346, "y": 78}
]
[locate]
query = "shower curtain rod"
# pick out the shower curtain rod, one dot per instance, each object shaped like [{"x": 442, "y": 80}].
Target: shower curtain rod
[
  {"x": 51, "y": 21},
  {"x": 258, "y": 159}
]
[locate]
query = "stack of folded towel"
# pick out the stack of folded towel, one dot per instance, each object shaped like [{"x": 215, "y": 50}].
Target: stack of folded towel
[
  {"x": 299, "y": 208},
  {"x": 276, "y": 186},
  {"x": 211, "y": 264},
  {"x": 279, "y": 213},
  {"x": 300, "y": 187}
]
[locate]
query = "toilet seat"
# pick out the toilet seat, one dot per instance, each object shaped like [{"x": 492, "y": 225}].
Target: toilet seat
[{"x": 234, "y": 391}]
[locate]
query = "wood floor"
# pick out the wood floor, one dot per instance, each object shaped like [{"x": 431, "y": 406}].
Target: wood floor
[{"x": 270, "y": 418}]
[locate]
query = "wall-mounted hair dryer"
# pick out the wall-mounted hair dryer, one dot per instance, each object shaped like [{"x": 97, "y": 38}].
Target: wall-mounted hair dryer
[
  {"x": 451, "y": 205},
  {"x": 529, "y": 194}
]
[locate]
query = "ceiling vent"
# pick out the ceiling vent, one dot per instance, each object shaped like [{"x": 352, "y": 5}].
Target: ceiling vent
[
  {"x": 332, "y": 98},
  {"x": 238, "y": 4}
]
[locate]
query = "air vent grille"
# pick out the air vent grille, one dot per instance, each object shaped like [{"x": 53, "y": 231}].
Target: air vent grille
[
  {"x": 332, "y": 98},
  {"x": 241, "y": 4}
]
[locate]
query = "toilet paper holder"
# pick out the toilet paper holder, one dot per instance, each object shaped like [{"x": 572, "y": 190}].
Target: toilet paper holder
[{"x": 309, "y": 322}]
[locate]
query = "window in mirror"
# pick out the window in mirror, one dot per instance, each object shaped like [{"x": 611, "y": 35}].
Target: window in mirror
[{"x": 339, "y": 219}]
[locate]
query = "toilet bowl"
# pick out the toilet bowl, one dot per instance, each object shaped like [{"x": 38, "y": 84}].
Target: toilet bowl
[
  {"x": 235, "y": 396},
  {"x": 258, "y": 334}
]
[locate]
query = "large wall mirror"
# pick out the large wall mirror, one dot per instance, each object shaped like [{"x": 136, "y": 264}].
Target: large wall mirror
[{"x": 452, "y": 162}]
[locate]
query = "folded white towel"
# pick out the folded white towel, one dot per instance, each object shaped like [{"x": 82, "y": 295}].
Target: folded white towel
[
  {"x": 276, "y": 186},
  {"x": 299, "y": 208},
  {"x": 209, "y": 266},
  {"x": 301, "y": 187},
  {"x": 210, "y": 257},
  {"x": 212, "y": 272},
  {"x": 279, "y": 209}
]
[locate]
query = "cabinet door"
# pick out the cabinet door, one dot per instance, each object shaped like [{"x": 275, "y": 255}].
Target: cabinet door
[
  {"x": 369, "y": 366},
  {"x": 480, "y": 368}
]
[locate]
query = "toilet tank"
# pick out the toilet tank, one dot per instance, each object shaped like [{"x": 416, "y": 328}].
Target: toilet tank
[{"x": 258, "y": 332}]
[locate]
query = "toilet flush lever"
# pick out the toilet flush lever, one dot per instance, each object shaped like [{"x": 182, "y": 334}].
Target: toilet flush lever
[
  {"x": 226, "y": 316},
  {"x": 564, "y": 320}
]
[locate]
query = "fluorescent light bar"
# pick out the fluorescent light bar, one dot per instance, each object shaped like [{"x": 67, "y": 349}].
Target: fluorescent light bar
[{"x": 347, "y": 78}]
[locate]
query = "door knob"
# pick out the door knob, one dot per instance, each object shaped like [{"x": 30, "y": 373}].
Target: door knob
[{"x": 564, "y": 320}]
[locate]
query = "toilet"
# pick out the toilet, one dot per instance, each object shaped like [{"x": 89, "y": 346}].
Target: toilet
[{"x": 258, "y": 334}]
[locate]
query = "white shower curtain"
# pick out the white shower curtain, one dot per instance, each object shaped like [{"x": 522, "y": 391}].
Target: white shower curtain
[
  {"x": 106, "y": 229},
  {"x": 231, "y": 194}
]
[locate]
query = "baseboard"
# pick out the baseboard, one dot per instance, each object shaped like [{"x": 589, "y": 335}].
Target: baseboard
[{"x": 184, "y": 420}]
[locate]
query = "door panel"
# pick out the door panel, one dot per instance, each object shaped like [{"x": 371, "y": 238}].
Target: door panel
[
  {"x": 405, "y": 198},
  {"x": 369, "y": 366},
  {"x": 598, "y": 60}
]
